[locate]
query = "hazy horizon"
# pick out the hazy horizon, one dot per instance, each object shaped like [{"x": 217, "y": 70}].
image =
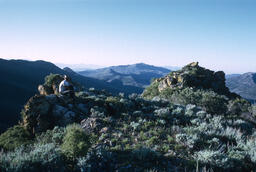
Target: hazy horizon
[
  {"x": 220, "y": 35},
  {"x": 82, "y": 67}
]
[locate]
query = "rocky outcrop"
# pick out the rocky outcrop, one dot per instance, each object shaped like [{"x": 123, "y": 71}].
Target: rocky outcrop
[
  {"x": 49, "y": 109},
  {"x": 192, "y": 75},
  {"x": 44, "y": 112}
]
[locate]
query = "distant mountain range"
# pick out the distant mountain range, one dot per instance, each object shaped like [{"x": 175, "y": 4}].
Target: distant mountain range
[
  {"x": 20, "y": 79},
  {"x": 79, "y": 67},
  {"x": 244, "y": 85},
  {"x": 172, "y": 68},
  {"x": 232, "y": 75},
  {"x": 138, "y": 75}
]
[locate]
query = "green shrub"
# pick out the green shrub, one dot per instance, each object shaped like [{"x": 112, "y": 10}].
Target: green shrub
[
  {"x": 207, "y": 99},
  {"x": 237, "y": 106},
  {"x": 52, "y": 136},
  {"x": 210, "y": 101},
  {"x": 151, "y": 91},
  {"x": 213, "y": 103},
  {"x": 75, "y": 142},
  {"x": 53, "y": 79},
  {"x": 14, "y": 137}
]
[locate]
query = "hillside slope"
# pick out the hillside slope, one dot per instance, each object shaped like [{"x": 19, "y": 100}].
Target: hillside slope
[
  {"x": 138, "y": 75},
  {"x": 244, "y": 85}
]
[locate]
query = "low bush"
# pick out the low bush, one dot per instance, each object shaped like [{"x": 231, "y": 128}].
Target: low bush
[
  {"x": 210, "y": 101},
  {"x": 75, "y": 142},
  {"x": 14, "y": 137},
  {"x": 51, "y": 136},
  {"x": 237, "y": 106},
  {"x": 98, "y": 159},
  {"x": 151, "y": 91}
]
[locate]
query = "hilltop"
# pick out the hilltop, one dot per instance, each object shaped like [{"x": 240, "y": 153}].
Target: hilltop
[{"x": 98, "y": 131}]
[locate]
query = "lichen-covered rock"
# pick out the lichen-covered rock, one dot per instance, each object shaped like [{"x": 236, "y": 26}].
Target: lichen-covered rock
[
  {"x": 36, "y": 114},
  {"x": 44, "y": 90},
  {"x": 193, "y": 64}
]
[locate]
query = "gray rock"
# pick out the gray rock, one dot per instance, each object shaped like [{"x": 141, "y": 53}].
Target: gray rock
[
  {"x": 83, "y": 108},
  {"x": 52, "y": 98},
  {"x": 70, "y": 106},
  {"x": 92, "y": 125},
  {"x": 59, "y": 111},
  {"x": 69, "y": 114},
  {"x": 44, "y": 90},
  {"x": 67, "y": 118},
  {"x": 43, "y": 108}
]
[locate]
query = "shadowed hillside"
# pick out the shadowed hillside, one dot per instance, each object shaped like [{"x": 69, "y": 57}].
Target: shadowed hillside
[{"x": 20, "y": 79}]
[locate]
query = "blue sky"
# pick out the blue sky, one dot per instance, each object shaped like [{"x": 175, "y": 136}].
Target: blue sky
[{"x": 220, "y": 34}]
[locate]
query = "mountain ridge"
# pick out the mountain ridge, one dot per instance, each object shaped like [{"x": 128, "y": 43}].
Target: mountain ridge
[
  {"x": 244, "y": 85},
  {"x": 139, "y": 74}
]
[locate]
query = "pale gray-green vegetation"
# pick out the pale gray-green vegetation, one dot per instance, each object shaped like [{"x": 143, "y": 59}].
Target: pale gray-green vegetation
[{"x": 175, "y": 129}]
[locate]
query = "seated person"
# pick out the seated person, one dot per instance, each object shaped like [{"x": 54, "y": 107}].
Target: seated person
[{"x": 65, "y": 87}]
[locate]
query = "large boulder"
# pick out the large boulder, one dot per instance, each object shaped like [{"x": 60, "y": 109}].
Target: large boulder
[
  {"x": 44, "y": 112},
  {"x": 36, "y": 114},
  {"x": 45, "y": 90}
]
